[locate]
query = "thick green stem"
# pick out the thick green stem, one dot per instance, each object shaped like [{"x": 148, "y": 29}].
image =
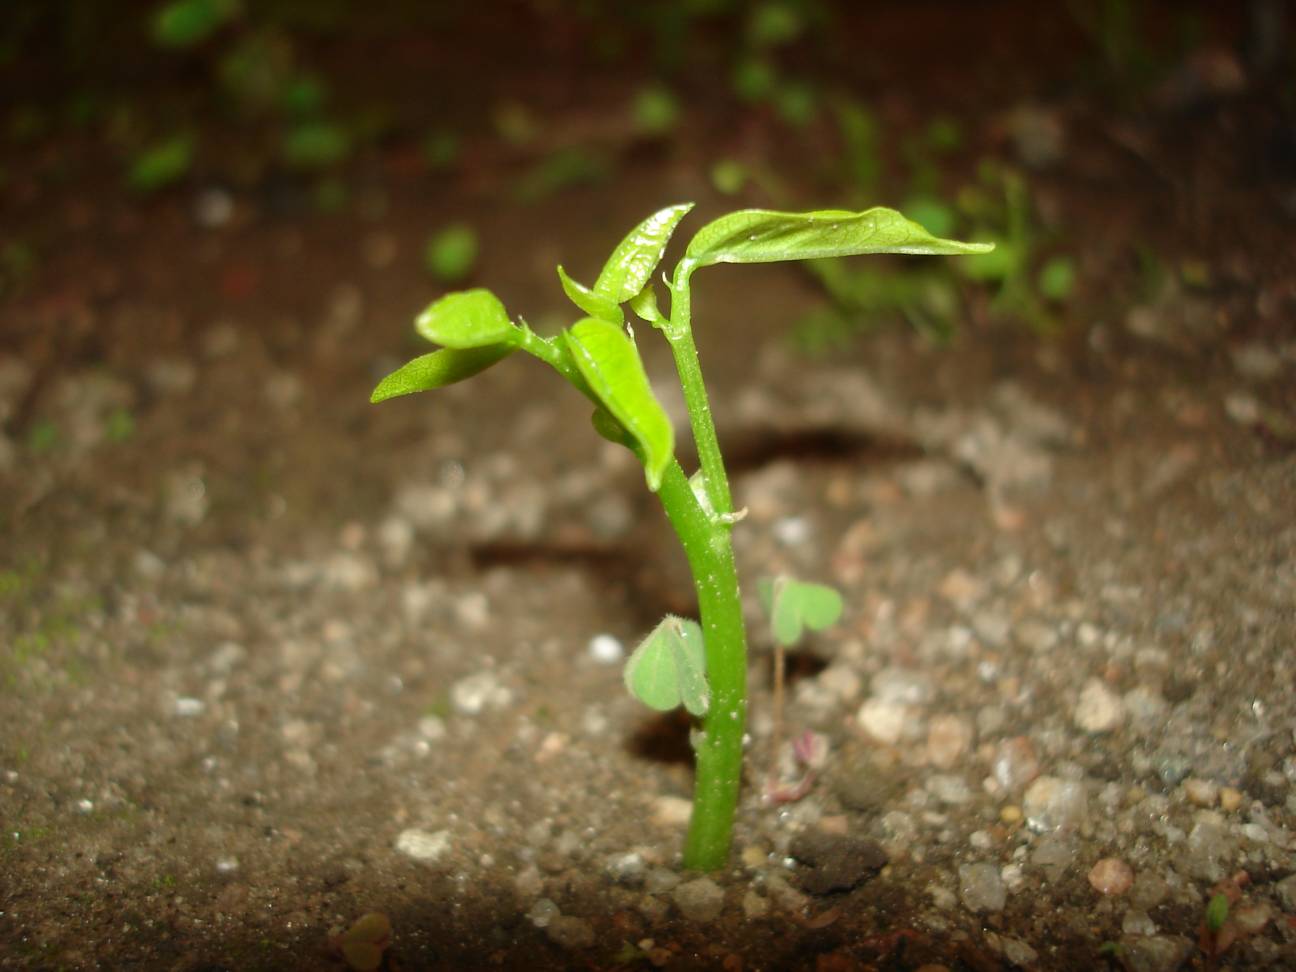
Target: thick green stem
[
  {"x": 704, "y": 534},
  {"x": 719, "y": 744}
]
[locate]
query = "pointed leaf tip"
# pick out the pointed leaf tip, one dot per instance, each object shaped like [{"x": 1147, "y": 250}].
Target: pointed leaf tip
[
  {"x": 437, "y": 369},
  {"x": 635, "y": 258}
]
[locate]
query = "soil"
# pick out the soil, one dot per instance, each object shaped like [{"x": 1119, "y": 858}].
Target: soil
[{"x": 273, "y": 658}]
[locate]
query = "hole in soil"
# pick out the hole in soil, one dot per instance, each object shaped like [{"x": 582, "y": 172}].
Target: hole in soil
[
  {"x": 752, "y": 449},
  {"x": 663, "y": 739}
]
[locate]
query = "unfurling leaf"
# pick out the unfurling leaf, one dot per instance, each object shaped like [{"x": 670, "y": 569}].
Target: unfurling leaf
[
  {"x": 592, "y": 303},
  {"x": 644, "y": 304},
  {"x": 467, "y": 319},
  {"x": 669, "y": 668},
  {"x": 794, "y": 605},
  {"x": 763, "y": 236},
  {"x": 609, "y": 362},
  {"x": 438, "y": 369},
  {"x": 635, "y": 258}
]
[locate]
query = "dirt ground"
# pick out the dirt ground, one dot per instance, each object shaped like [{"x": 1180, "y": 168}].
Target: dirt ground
[{"x": 273, "y": 659}]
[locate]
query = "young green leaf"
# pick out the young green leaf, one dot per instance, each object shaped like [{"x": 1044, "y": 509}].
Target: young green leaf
[
  {"x": 438, "y": 369},
  {"x": 794, "y": 605},
  {"x": 636, "y": 257},
  {"x": 644, "y": 304},
  {"x": 1217, "y": 912},
  {"x": 467, "y": 319},
  {"x": 592, "y": 303},
  {"x": 669, "y": 668},
  {"x": 609, "y": 428},
  {"x": 610, "y": 363},
  {"x": 763, "y": 236}
]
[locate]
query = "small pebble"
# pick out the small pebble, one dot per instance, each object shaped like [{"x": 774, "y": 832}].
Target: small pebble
[
  {"x": 884, "y": 721},
  {"x": 423, "y": 845},
  {"x": 566, "y": 931},
  {"x": 700, "y": 900},
  {"x": 948, "y": 740},
  {"x": 479, "y": 692},
  {"x": 1230, "y": 799},
  {"x": 1111, "y": 876},
  {"x": 1015, "y": 763},
  {"x": 606, "y": 650},
  {"x": 1052, "y": 804},
  {"x": 226, "y": 865},
  {"x": 671, "y": 811},
  {"x": 627, "y": 869},
  {"x": 1203, "y": 793},
  {"x": 1100, "y": 709},
  {"x": 754, "y": 905},
  {"x": 187, "y": 706},
  {"x": 543, "y": 912},
  {"x": 981, "y": 887}
]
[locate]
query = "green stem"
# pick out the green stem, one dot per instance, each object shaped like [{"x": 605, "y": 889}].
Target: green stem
[
  {"x": 679, "y": 331},
  {"x": 707, "y": 545},
  {"x": 719, "y": 744}
]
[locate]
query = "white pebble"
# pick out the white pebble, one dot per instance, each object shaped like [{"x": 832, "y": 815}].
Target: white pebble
[
  {"x": 187, "y": 706},
  {"x": 948, "y": 739},
  {"x": 606, "y": 650},
  {"x": 884, "y": 721},
  {"x": 423, "y": 845},
  {"x": 1100, "y": 709},
  {"x": 476, "y": 693},
  {"x": 981, "y": 887},
  {"x": 1052, "y": 804}
]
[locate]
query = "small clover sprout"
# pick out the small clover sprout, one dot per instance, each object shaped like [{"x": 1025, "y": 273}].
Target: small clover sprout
[
  {"x": 792, "y": 606},
  {"x": 668, "y": 668}
]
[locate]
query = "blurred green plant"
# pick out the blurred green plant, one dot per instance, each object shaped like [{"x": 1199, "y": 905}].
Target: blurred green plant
[
  {"x": 18, "y": 264},
  {"x": 562, "y": 169},
  {"x": 1028, "y": 285},
  {"x": 655, "y": 110},
  {"x": 162, "y": 163},
  {"x": 184, "y": 23},
  {"x": 451, "y": 253}
]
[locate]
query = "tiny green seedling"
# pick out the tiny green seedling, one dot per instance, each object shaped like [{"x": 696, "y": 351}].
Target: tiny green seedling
[
  {"x": 792, "y": 606},
  {"x": 702, "y": 666}
]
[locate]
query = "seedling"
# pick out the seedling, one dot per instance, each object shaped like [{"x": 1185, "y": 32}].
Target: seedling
[
  {"x": 599, "y": 357},
  {"x": 792, "y": 606}
]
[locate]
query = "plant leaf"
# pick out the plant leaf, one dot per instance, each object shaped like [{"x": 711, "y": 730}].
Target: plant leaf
[
  {"x": 363, "y": 943},
  {"x": 764, "y": 236},
  {"x": 437, "y": 369},
  {"x": 592, "y": 303},
  {"x": 794, "y": 605},
  {"x": 644, "y": 304},
  {"x": 635, "y": 258},
  {"x": 467, "y": 319},
  {"x": 609, "y": 428},
  {"x": 609, "y": 361},
  {"x": 669, "y": 667}
]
